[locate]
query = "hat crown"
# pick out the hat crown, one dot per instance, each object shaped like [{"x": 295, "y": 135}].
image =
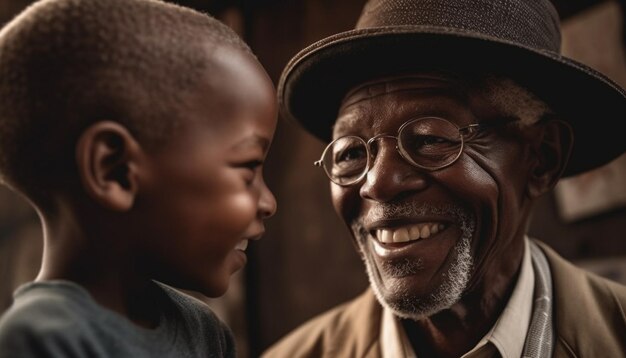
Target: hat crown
[{"x": 531, "y": 23}]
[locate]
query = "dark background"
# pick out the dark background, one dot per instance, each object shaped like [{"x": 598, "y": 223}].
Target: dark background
[{"x": 306, "y": 263}]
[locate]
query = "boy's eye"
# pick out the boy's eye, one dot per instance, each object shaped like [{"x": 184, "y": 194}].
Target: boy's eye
[
  {"x": 250, "y": 168},
  {"x": 252, "y": 164}
]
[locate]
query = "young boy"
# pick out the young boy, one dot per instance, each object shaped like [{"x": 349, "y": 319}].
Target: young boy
[{"x": 137, "y": 129}]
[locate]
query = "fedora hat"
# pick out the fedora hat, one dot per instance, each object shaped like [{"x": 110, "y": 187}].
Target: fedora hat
[{"x": 519, "y": 39}]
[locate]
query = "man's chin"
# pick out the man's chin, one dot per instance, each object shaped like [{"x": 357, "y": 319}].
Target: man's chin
[
  {"x": 406, "y": 301},
  {"x": 412, "y": 306},
  {"x": 409, "y": 304}
]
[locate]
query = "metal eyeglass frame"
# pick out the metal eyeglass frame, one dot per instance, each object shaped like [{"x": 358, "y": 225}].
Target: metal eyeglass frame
[{"x": 466, "y": 133}]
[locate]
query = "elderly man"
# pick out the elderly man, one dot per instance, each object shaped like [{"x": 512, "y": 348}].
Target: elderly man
[{"x": 447, "y": 119}]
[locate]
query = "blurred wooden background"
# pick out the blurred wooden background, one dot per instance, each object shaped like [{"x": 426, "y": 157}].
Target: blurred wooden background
[{"x": 306, "y": 263}]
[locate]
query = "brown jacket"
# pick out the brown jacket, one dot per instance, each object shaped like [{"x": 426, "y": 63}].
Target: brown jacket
[{"x": 589, "y": 318}]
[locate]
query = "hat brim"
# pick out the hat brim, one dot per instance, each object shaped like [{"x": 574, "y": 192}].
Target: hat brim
[{"x": 315, "y": 81}]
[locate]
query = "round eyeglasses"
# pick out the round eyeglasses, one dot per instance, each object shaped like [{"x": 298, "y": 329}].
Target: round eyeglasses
[{"x": 430, "y": 143}]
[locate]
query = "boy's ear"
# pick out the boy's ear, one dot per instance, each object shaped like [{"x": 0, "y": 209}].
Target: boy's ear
[
  {"x": 107, "y": 158},
  {"x": 552, "y": 147}
]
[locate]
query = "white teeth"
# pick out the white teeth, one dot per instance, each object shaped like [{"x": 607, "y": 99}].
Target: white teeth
[
  {"x": 387, "y": 236},
  {"x": 409, "y": 232},
  {"x": 243, "y": 245},
  {"x": 414, "y": 232},
  {"x": 401, "y": 235}
]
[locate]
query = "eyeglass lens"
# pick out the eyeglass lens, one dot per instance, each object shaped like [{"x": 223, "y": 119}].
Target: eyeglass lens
[{"x": 430, "y": 143}]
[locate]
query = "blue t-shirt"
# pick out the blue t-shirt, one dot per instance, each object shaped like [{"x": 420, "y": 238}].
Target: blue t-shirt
[{"x": 61, "y": 319}]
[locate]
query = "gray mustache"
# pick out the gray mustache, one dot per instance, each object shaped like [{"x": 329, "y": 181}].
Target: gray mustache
[{"x": 387, "y": 211}]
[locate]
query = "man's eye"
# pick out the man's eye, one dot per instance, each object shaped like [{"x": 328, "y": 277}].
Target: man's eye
[
  {"x": 430, "y": 140},
  {"x": 350, "y": 154},
  {"x": 424, "y": 141}
]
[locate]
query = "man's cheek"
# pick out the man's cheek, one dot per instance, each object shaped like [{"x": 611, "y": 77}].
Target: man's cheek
[{"x": 346, "y": 201}]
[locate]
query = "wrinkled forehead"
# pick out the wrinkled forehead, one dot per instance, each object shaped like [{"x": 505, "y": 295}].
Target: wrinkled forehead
[
  {"x": 386, "y": 85},
  {"x": 402, "y": 89},
  {"x": 486, "y": 96}
]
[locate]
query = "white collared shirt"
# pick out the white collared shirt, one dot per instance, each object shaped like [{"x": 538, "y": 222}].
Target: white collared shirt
[{"x": 508, "y": 334}]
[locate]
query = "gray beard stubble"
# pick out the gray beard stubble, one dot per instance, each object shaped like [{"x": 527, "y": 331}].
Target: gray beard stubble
[{"x": 455, "y": 279}]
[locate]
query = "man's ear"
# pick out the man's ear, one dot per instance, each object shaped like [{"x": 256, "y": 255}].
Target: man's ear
[
  {"x": 107, "y": 158},
  {"x": 552, "y": 147}
]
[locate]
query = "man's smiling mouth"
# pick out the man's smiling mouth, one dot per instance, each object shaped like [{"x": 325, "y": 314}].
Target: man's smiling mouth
[{"x": 408, "y": 233}]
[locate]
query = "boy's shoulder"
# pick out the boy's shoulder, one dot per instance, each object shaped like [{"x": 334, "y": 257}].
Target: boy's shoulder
[
  {"x": 61, "y": 303},
  {"x": 200, "y": 325},
  {"x": 60, "y": 318},
  {"x": 44, "y": 317}
]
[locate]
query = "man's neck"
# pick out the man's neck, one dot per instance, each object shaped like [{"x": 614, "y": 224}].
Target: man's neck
[{"x": 455, "y": 331}]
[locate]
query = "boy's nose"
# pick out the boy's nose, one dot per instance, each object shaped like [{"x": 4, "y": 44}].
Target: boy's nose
[{"x": 267, "y": 202}]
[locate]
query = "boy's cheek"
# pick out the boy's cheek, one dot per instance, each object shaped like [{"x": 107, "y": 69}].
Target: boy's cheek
[{"x": 235, "y": 213}]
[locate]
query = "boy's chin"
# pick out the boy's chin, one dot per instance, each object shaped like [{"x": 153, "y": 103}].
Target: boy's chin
[
  {"x": 213, "y": 289},
  {"x": 215, "y": 292},
  {"x": 201, "y": 293}
]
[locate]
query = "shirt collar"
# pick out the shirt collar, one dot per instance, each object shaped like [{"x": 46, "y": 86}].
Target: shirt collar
[{"x": 508, "y": 334}]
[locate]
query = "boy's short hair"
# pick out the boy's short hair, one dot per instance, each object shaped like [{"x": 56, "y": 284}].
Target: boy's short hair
[{"x": 65, "y": 64}]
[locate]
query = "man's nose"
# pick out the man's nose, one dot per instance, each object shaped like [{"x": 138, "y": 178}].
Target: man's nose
[
  {"x": 267, "y": 202},
  {"x": 390, "y": 175}
]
